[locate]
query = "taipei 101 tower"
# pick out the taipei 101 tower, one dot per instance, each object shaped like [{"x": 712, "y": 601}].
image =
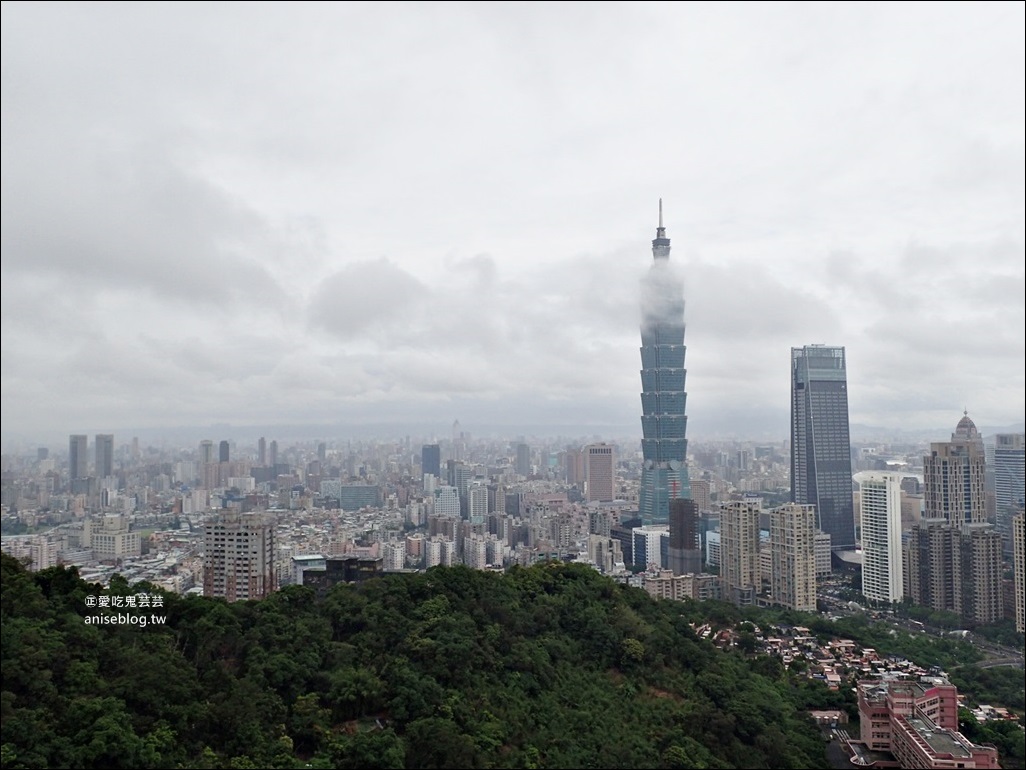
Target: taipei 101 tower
[{"x": 664, "y": 475}]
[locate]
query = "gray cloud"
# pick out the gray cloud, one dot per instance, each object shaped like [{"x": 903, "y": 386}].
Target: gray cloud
[{"x": 294, "y": 213}]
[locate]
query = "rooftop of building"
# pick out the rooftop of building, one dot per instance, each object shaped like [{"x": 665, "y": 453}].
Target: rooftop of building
[
  {"x": 939, "y": 740},
  {"x": 966, "y": 428},
  {"x": 876, "y": 690}
]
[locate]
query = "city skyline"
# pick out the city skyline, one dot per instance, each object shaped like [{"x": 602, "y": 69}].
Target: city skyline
[{"x": 319, "y": 215}]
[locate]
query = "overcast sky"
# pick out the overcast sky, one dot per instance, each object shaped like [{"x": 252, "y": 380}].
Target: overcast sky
[{"x": 260, "y": 214}]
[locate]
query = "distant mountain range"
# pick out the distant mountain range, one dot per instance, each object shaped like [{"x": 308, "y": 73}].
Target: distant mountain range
[{"x": 753, "y": 425}]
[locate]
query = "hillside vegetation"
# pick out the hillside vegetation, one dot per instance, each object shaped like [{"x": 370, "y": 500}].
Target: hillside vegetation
[{"x": 550, "y": 666}]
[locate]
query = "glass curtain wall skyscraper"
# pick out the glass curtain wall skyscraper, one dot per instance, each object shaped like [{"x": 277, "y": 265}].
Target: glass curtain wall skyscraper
[
  {"x": 820, "y": 443},
  {"x": 664, "y": 475}
]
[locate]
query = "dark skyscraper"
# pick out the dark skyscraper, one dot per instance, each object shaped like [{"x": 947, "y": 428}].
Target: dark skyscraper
[
  {"x": 104, "y": 455},
  {"x": 523, "y": 467},
  {"x": 223, "y": 452},
  {"x": 685, "y": 554},
  {"x": 78, "y": 457},
  {"x": 664, "y": 475},
  {"x": 820, "y": 445},
  {"x": 431, "y": 460}
]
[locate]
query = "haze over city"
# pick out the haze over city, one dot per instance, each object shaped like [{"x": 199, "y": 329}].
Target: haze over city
[{"x": 384, "y": 214}]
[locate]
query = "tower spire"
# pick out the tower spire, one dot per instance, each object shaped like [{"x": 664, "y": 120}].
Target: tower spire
[{"x": 661, "y": 244}]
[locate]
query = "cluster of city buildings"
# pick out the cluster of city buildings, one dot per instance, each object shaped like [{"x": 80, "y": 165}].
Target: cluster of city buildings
[{"x": 745, "y": 523}]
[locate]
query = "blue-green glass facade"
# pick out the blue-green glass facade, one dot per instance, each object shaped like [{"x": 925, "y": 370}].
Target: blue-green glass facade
[
  {"x": 664, "y": 444},
  {"x": 820, "y": 444}
]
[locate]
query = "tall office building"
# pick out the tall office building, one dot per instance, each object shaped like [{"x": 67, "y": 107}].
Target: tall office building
[
  {"x": 1019, "y": 565},
  {"x": 1009, "y": 474},
  {"x": 104, "y": 455},
  {"x": 523, "y": 460},
  {"x": 664, "y": 474},
  {"x": 953, "y": 477},
  {"x": 573, "y": 461},
  {"x": 457, "y": 441},
  {"x": 238, "y": 560},
  {"x": 272, "y": 454},
  {"x": 820, "y": 443},
  {"x": 600, "y": 473},
  {"x": 651, "y": 543},
  {"x": 223, "y": 452},
  {"x": 206, "y": 452},
  {"x": 78, "y": 457},
  {"x": 880, "y": 512},
  {"x": 793, "y": 556},
  {"x": 262, "y": 452},
  {"x": 685, "y": 551},
  {"x": 431, "y": 460},
  {"x": 739, "y": 550}
]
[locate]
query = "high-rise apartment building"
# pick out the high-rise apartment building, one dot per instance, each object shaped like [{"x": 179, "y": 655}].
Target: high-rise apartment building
[
  {"x": 262, "y": 452},
  {"x": 954, "y": 555},
  {"x": 238, "y": 560},
  {"x": 978, "y": 587},
  {"x": 104, "y": 455},
  {"x": 447, "y": 502},
  {"x": 1009, "y": 474},
  {"x": 477, "y": 502},
  {"x": 880, "y": 512},
  {"x": 431, "y": 460},
  {"x": 1019, "y": 567},
  {"x": 927, "y": 564},
  {"x": 600, "y": 473},
  {"x": 820, "y": 443},
  {"x": 793, "y": 551},
  {"x": 739, "y": 550},
  {"x": 664, "y": 474},
  {"x": 955, "y": 568},
  {"x": 78, "y": 457},
  {"x": 953, "y": 477}
]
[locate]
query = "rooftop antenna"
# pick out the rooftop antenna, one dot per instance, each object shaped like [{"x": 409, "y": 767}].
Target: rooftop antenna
[{"x": 661, "y": 244}]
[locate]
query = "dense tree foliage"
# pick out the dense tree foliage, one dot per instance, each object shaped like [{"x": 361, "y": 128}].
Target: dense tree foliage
[
  {"x": 1001, "y": 686},
  {"x": 1006, "y": 736},
  {"x": 1002, "y": 633},
  {"x": 551, "y": 666}
]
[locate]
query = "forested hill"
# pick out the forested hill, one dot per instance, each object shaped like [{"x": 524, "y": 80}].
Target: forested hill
[{"x": 550, "y": 666}]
